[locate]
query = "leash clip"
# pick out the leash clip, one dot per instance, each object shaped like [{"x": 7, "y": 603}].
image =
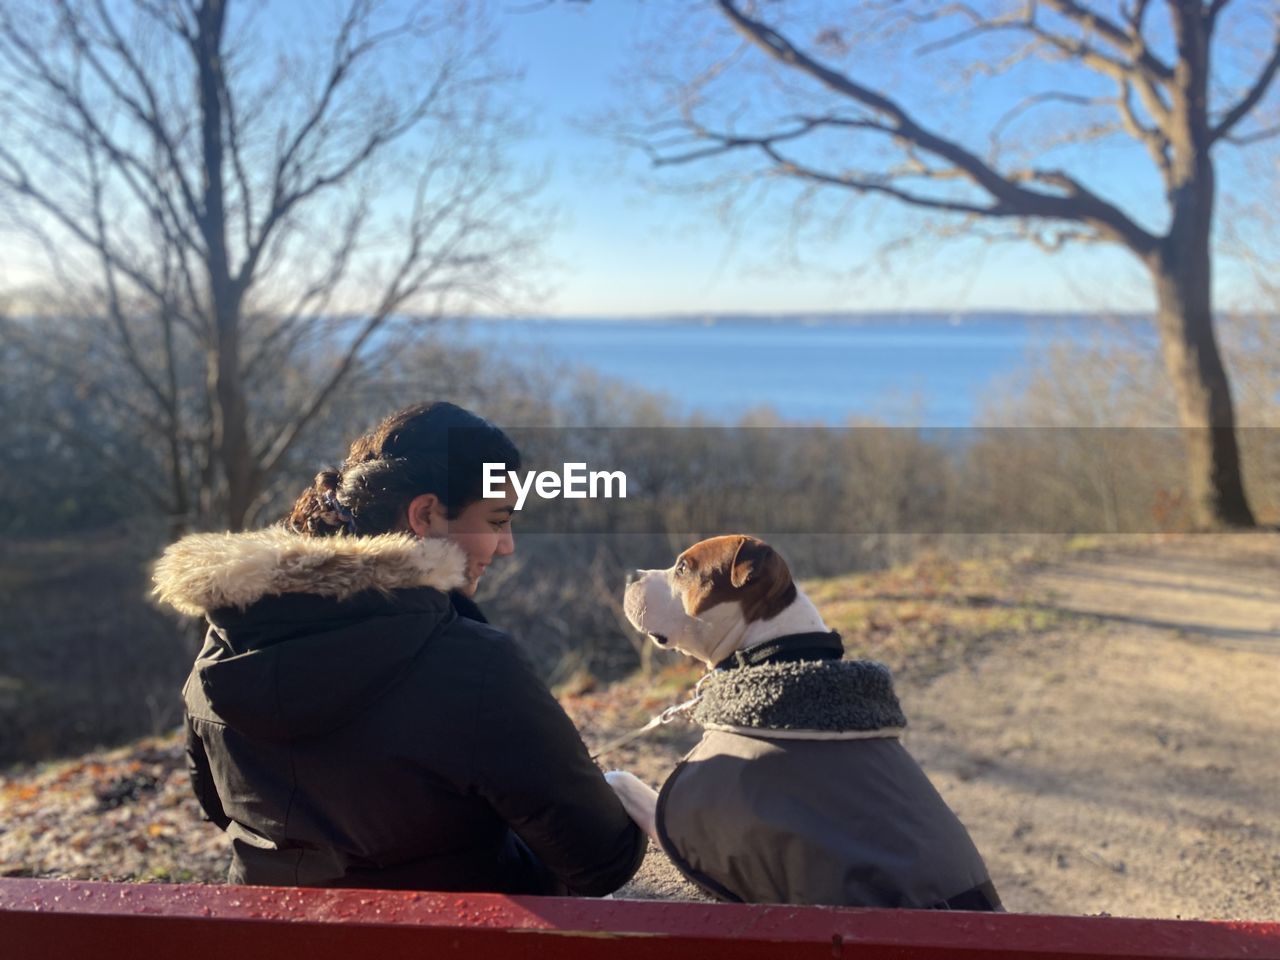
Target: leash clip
[{"x": 671, "y": 713}]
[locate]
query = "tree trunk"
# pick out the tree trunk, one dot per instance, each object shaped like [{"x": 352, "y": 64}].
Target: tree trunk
[
  {"x": 1182, "y": 270},
  {"x": 224, "y": 372},
  {"x": 230, "y": 421},
  {"x": 1194, "y": 365}
]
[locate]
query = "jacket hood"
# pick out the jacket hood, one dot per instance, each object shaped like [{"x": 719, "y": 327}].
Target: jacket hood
[
  {"x": 209, "y": 571},
  {"x": 305, "y": 632}
]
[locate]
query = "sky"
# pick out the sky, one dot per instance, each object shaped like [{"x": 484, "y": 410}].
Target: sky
[
  {"x": 621, "y": 248},
  {"x": 617, "y": 245}
]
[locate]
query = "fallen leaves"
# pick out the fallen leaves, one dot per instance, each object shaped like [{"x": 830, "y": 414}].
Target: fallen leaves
[{"x": 125, "y": 814}]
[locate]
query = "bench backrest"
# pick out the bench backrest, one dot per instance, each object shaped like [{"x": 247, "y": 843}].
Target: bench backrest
[{"x": 74, "y": 919}]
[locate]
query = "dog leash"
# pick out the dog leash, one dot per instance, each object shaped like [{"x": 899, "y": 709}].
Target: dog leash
[{"x": 665, "y": 717}]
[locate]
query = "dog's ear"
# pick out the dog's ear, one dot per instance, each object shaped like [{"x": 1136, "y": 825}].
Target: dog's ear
[
  {"x": 750, "y": 561},
  {"x": 758, "y": 563}
]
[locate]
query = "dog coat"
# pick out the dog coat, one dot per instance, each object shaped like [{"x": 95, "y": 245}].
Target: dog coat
[{"x": 800, "y": 791}]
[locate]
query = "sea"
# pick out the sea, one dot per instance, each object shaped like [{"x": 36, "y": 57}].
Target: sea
[{"x": 904, "y": 369}]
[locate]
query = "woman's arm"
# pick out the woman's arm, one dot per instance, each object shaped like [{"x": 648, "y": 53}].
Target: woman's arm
[
  {"x": 202, "y": 780},
  {"x": 532, "y": 767}
]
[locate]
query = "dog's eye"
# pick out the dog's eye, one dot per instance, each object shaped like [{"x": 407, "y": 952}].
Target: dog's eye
[{"x": 681, "y": 567}]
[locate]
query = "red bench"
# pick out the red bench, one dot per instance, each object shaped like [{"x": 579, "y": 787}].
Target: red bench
[{"x": 75, "y": 919}]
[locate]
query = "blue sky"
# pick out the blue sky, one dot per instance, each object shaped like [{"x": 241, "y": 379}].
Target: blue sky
[{"x": 620, "y": 248}]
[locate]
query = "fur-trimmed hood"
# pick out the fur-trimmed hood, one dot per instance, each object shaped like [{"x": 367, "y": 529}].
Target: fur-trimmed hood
[
  {"x": 212, "y": 571},
  {"x": 305, "y": 632}
]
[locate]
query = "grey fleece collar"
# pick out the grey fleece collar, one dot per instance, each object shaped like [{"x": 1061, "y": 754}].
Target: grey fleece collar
[{"x": 845, "y": 696}]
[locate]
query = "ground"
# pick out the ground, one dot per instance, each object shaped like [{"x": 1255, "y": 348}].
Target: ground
[
  {"x": 1104, "y": 723},
  {"x": 1128, "y": 762}
]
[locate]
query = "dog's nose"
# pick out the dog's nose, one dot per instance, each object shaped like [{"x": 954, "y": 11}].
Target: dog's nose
[{"x": 633, "y": 576}]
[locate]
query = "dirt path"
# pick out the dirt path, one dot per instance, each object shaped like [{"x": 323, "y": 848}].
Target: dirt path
[
  {"x": 1221, "y": 591},
  {"x": 1128, "y": 761}
]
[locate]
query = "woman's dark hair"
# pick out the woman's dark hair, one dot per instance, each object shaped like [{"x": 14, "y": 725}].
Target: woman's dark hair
[{"x": 435, "y": 448}]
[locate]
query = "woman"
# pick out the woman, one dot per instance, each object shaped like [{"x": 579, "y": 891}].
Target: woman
[{"x": 353, "y": 720}]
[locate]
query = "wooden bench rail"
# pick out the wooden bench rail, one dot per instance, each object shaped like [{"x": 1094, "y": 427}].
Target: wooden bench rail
[{"x": 75, "y": 919}]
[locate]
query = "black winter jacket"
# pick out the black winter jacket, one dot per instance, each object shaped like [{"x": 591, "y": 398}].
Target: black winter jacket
[{"x": 348, "y": 726}]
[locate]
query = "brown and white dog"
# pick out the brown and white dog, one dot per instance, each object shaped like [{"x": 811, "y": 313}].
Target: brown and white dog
[
  {"x": 721, "y": 596},
  {"x": 800, "y": 790}
]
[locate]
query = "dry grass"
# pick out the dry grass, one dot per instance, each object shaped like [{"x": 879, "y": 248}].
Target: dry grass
[{"x": 922, "y": 616}]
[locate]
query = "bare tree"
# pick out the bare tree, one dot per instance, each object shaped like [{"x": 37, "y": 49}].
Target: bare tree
[
  {"x": 825, "y": 117},
  {"x": 238, "y": 209}
]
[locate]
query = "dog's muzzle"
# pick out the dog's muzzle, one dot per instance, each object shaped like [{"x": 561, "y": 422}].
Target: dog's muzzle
[
  {"x": 649, "y": 606},
  {"x": 634, "y": 601}
]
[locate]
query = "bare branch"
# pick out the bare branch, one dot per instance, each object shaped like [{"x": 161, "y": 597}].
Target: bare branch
[
  {"x": 1256, "y": 92},
  {"x": 1009, "y": 196},
  {"x": 726, "y": 144},
  {"x": 20, "y": 183},
  {"x": 1136, "y": 61},
  {"x": 980, "y": 27},
  {"x": 135, "y": 472},
  {"x": 985, "y": 68},
  {"x": 1153, "y": 100},
  {"x": 1153, "y": 139},
  {"x": 424, "y": 266},
  {"x": 883, "y": 185},
  {"x": 151, "y": 114},
  {"x": 1136, "y": 17},
  {"x": 113, "y": 294},
  {"x": 1215, "y": 8},
  {"x": 1036, "y": 100},
  {"x": 47, "y": 352},
  {"x": 147, "y": 187},
  {"x": 234, "y": 147},
  {"x": 1055, "y": 240},
  {"x": 1129, "y": 41},
  {"x": 346, "y": 56},
  {"x": 862, "y": 183},
  {"x": 343, "y": 61},
  {"x": 287, "y": 330},
  {"x": 1257, "y": 136}
]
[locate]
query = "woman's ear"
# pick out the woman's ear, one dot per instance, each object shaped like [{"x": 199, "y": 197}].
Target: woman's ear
[{"x": 427, "y": 516}]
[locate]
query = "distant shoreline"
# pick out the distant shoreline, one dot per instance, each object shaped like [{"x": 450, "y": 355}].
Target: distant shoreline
[{"x": 847, "y": 318}]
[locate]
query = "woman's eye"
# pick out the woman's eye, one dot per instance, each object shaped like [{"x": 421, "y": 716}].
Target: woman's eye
[{"x": 500, "y": 524}]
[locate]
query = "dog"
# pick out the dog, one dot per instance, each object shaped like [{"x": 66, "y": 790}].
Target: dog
[{"x": 800, "y": 790}]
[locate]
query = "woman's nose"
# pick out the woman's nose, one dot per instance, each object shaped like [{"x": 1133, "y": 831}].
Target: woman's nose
[{"x": 507, "y": 544}]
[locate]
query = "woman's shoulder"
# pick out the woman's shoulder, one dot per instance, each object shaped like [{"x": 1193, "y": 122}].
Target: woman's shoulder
[
  {"x": 467, "y": 676},
  {"x": 479, "y": 673},
  {"x": 488, "y": 649}
]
